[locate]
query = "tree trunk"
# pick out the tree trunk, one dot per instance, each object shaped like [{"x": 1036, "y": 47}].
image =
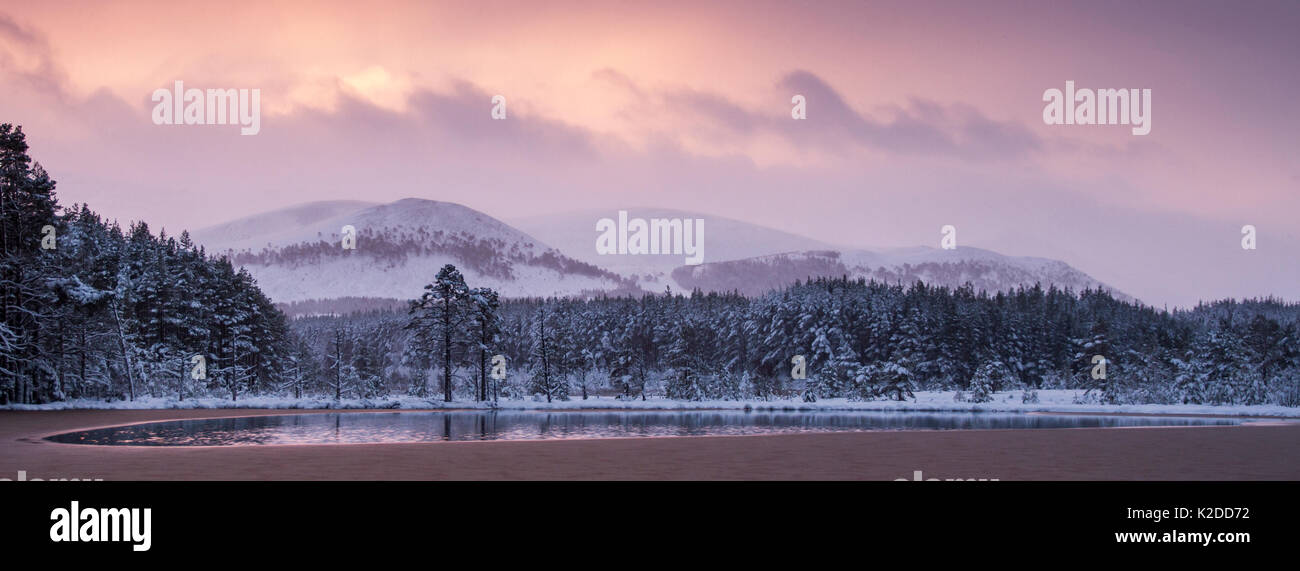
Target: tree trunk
[
  {"x": 446, "y": 348},
  {"x": 126, "y": 357},
  {"x": 482, "y": 375}
]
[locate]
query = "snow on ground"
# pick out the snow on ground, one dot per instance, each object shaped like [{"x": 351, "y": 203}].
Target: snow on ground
[{"x": 1049, "y": 401}]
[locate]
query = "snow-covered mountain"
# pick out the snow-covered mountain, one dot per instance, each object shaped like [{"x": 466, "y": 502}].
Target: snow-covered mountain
[
  {"x": 754, "y": 259},
  {"x": 277, "y": 227},
  {"x": 296, "y": 256},
  {"x": 983, "y": 269},
  {"x": 575, "y": 234},
  {"x": 295, "y": 253}
]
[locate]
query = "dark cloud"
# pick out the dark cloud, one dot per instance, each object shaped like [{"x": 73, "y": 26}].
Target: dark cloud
[
  {"x": 618, "y": 79},
  {"x": 923, "y": 127},
  {"x": 19, "y": 43},
  {"x": 464, "y": 117}
]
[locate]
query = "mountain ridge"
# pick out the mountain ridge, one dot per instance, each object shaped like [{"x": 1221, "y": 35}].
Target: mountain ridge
[
  {"x": 399, "y": 248},
  {"x": 295, "y": 254},
  {"x": 984, "y": 269}
]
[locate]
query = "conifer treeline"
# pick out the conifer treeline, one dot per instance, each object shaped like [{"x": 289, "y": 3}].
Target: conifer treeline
[
  {"x": 92, "y": 310},
  {"x": 860, "y": 340}
]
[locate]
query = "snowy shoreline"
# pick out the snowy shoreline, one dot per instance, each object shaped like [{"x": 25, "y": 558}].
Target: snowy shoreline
[{"x": 1061, "y": 401}]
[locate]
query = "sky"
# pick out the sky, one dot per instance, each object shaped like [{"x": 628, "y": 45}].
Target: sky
[{"x": 919, "y": 115}]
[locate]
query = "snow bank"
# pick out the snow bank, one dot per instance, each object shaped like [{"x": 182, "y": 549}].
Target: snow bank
[{"x": 1049, "y": 401}]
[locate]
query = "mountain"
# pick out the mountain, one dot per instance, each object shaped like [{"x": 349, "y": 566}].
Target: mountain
[
  {"x": 753, "y": 259},
  {"x": 983, "y": 269},
  {"x": 276, "y": 226},
  {"x": 575, "y": 234},
  {"x": 296, "y": 255}
]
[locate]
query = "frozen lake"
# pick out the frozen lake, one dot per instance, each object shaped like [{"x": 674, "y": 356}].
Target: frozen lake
[{"x": 389, "y": 427}]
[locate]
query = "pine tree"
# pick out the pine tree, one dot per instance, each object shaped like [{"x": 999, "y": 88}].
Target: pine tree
[
  {"x": 341, "y": 372},
  {"x": 486, "y": 325},
  {"x": 439, "y": 314},
  {"x": 27, "y": 206},
  {"x": 988, "y": 378},
  {"x": 546, "y": 378},
  {"x": 684, "y": 359},
  {"x": 888, "y": 379}
]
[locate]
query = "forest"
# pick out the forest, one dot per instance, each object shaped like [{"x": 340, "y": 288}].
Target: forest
[
  {"x": 95, "y": 310},
  {"x": 92, "y": 310},
  {"x": 860, "y": 340}
]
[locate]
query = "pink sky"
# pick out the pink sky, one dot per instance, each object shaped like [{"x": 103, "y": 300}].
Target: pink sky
[{"x": 920, "y": 114}]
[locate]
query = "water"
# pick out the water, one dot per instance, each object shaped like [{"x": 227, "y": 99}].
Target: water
[{"x": 386, "y": 427}]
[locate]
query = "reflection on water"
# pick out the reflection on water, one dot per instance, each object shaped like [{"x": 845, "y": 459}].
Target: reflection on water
[{"x": 362, "y": 427}]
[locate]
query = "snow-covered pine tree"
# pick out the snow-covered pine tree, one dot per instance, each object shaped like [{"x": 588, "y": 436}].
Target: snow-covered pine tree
[
  {"x": 547, "y": 380},
  {"x": 27, "y": 206},
  {"x": 341, "y": 374},
  {"x": 988, "y": 377},
  {"x": 486, "y": 325},
  {"x": 439, "y": 315},
  {"x": 886, "y": 379},
  {"x": 684, "y": 359}
]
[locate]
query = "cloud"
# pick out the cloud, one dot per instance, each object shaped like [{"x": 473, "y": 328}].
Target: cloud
[
  {"x": 923, "y": 127},
  {"x": 620, "y": 80},
  {"x": 26, "y": 56}
]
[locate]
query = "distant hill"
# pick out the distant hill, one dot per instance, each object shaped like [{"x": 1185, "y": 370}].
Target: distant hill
[
  {"x": 983, "y": 269},
  {"x": 295, "y": 253},
  {"x": 296, "y": 257},
  {"x": 725, "y": 239}
]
